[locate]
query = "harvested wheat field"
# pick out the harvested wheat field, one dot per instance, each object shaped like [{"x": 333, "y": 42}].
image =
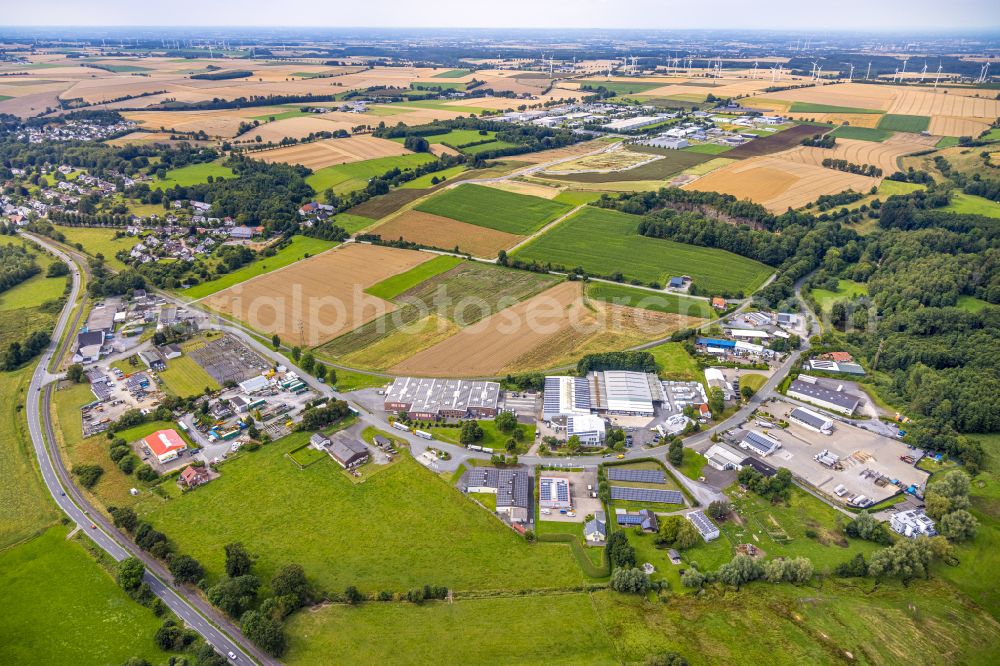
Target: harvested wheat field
[
  {"x": 566, "y": 153},
  {"x": 313, "y": 301},
  {"x": 446, "y": 233},
  {"x": 852, "y": 95},
  {"x": 439, "y": 150},
  {"x": 224, "y": 123},
  {"x": 883, "y": 155},
  {"x": 608, "y": 161},
  {"x": 538, "y": 333},
  {"x": 296, "y": 128},
  {"x": 778, "y": 184},
  {"x": 951, "y": 126},
  {"x": 853, "y": 119},
  {"x": 141, "y": 138},
  {"x": 926, "y": 103},
  {"x": 329, "y": 152},
  {"x": 522, "y": 187}
]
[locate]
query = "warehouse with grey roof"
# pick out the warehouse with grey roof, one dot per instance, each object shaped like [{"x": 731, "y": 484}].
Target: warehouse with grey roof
[{"x": 424, "y": 398}]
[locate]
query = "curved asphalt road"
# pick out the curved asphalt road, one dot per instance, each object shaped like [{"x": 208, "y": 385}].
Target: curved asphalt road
[{"x": 186, "y": 605}]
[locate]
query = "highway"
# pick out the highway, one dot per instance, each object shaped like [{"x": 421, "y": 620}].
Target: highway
[{"x": 186, "y": 604}]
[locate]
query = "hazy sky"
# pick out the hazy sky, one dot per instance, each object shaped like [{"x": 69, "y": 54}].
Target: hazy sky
[{"x": 858, "y": 15}]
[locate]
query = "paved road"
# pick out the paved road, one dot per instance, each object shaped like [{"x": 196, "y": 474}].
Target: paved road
[{"x": 187, "y": 605}]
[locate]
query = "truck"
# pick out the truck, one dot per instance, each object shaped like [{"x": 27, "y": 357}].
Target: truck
[
  {"x": 400, "y": 426},
  {"x": 423, "y": 434}
]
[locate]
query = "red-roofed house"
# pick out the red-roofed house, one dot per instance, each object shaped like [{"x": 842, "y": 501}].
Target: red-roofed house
[
  {"x": 194, "y": 476},
  {"x": 719, "y": 303},
  {"x": 838, "y": 357},
  {"x": 166, "y": 445}
]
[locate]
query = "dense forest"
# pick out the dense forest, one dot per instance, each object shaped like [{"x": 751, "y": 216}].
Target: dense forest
[{"x": 16, "y": 266}]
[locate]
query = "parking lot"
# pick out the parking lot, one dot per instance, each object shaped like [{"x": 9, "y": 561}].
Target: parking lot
[
  {"x": 583, "y": 504},
  {"x": 866, "y": 460},
  {"x": 527, "y": 406}
]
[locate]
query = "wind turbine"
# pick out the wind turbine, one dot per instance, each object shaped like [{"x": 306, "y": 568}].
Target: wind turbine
[
  {"x": 850, "y": 77},
  {"x": 819, "y": 72},
  {"x": 938, "y": 76},
  {"x": 774, "y": 73},
  {"x": 755, "y": 69},
  {"x": 869, "y": 72},
  {"x": 813, "y": 73}
]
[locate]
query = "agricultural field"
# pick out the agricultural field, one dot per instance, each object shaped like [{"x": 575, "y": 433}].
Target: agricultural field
[
  {"x": 69, "y": 610},
  {"x": 344, "y": 178},
  {"x": 425, "y": 181},
  {"x": 861, "y": 133},
  {"x": 392, "y": 287},
  {"x": 313, "y": 301},
  {"x": 621, "y": 87},
  {"x": 605, "y": 242},
  {"x": 808, "y": 107},
  {"x": 649, "y": 300},
  {"x": 299, "y": 248},
  {"x": 774, "y": 143},
  {"x": 96, "y": 241},
  {"x": 707, "y": 149},
  {"x": 472, "y": 291},
  {"x": 184, "y": 377},
  {"x": 317, "y": 155},
  {"x": 192, "y": 174},
  {"x": 779, "y": 184},
  {"x": 970, "y": 204},
  {"x": 883, "y": 155},
  {"x": 846, "y": 290},
  {"x": 612, "y": 160},
  {"x": 441, "y": 539},
  {"x": 446, "y": 234},
  {"x": 900, "y": 123},
  {"x": 669, "y": 163},
  {"x": 451, "y": 74},
  {"x": 494, "y": 209}
]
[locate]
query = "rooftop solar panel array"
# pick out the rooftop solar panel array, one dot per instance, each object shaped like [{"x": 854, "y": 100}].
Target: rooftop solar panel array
[
  {"x": 647, "y": 495},
  {"x": 702, "y": 522},
  {"x": 640, "y": 475},
  {"x": 629, "y": 519}
]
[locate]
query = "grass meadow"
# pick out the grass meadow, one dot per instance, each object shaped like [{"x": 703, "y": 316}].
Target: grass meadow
[
  {"x": 99, "y": 241},
  {"x": 604, "y": 242},
  {"x": 397, "y": 284},
  {"x": 62, "y": 608},
  {"x": 343, "y": 178},
  {"x": 675, "y": 363},
  {"x": 846, "y": 290},
  {"x": 192, "y": 174},
  {"x": 970, "y": 204},
  {"x": 495, "y": 209},
  {"x": 423, "y": 182},
  {"x": 415, "y": 529},
  {"x": 296, "y": 250},
  {"x": 184, "y": 377},
  {"x": 647, "y": 300}
]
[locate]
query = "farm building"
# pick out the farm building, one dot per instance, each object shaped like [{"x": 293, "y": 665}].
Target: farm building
[
  {"x": 644, "y": 519},
  {"x": 347, "y": 451},
  {"x": 166, "y": 445},
  {"x": 588, "y": 427},
  {"x": 912, "y": 523},
  {"x": 723, "y": 457},
  {"x": 170, "y": 352},
  {"x": 319, "y": 440},
  {"x": 707, "y": 529},
  {"x": 553, "y": 493},
  {"x": 511, "y": 486},
  {"x": 152, "y": 360},
  {"x": 427, "y": 399},
  {"x": 807, "y": 389},
  {"x": 565, "y": 396},
  {"x": 810, "y": 419},
  {"x": 596, "y": 529},
  {"x": 759, "y": 443}
]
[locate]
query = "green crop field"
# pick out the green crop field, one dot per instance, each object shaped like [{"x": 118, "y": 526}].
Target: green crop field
[
  {"x": 648, "y": 300},
  {"x": 947, "y": 142},
  {"x": 297, "y": 249},
  {"x": 675, "y": 363},
  {"x": 184, "y": 377},
  {"x": 345, "y": 178},
  {"x": 577, "y": 197},
  {"x": 62, "y": 608},
  {"x": 809, "y": 107},
  {"x": 605, "y": 242},
  {"x": 707, "y": 148},
  {"x": 902, "y": 123},
  {"x": 392, "y": 287},
  {"x": 192, "y": 174},
  {"x": 861, "y": 133},
  {"x": 970, "y": 204},
  {"x": 415, "y": 529},
  {"x": 451, "y": 74},
  {"x": 25, "y": 506},
  {"x": 99, "y": 241},
  {"x": 487, "y": 147},
  {"x": 423, "y": 182},
  {"x": 846, "y": 290},
  {"x": 622, "y": 87},
  {"x": 495, "y": 209},
  {"x": 485, "y": 284}
]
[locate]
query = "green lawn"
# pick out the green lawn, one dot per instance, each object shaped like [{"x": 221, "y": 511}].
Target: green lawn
[
  {"x": 423, "y": 182},
  {"x": 348, "y": 380},
  {"x": 451, "y": 74},
  {"x": 35, "y": 290},
  {"x": 809, "y": 107},
  {"x": 345, "y": 178},
  {"x": 487, "y": 147},
  {"x": 184, "y": 377},
  {"x": 861, "y": 133},
  {"x": 675, "y": 363},
  {"x": 971, "y": 303},
  {"x": 297, "y": 249},
  {"x": 492, "y": 438},
  {"x": 648, "y": 300},
  {"x": 99, "y": 241},
  {"x": 846, "y": 290},
  {"x": 753, "y": 380},
  {"x": 25, "y": 506},
  {"x": 192, "y": 174},
  {"x": 392, "y": 287},
  {"x": 401, "y": 528},
  {"x": 991, "y": 135},
  {"x": 351, "y": 223},
  {"x": 495, "y": 209},
  {"x": 707, "y": 148},
  {"x": 692, "y": 464},
  {"x": 947, "y": 142},
  {"x": 888, "y": 188},
  {"x": 605, "y": 242},
  {"x": 62, "y": 608},
  {"x": 970, "y": 204},
  {"x": 901, "y": 123}
]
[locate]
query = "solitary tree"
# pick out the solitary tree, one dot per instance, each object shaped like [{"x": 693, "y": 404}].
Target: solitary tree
[
  {"x": 130, "y": 573},
  {"x": 238, "y": 560}
]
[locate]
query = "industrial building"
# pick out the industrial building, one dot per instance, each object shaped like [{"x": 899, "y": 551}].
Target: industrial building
[
  {"x": 565, "y": 396},
  {"x": 705, "y": 527},
  {"x": 88, "y": 346},
  {"x": 553, "y": 493},
  {"x": 347, "y": 451},
  {"x": 630, "y": 124},
  {"x": 759, "y": 443},
  {"x": 723, "y": 457},
  {"x": 429, "y": 399},
  {"x": 807, "y": 389},
  {"x": 166, "y": 445},
  {"x": 810, "y": 419},
  {"x": 589, "y": 428},
  {"x": 511, "y": 486},
  {"x": 618, "y": 392},
  {"x": 912, "y": 523},
  {"x": 715, "y": 379}
]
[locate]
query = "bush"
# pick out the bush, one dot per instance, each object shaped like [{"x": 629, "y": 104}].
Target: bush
[
  {"x": 629, "y": 581},
  {"x": 265, "y": 632},
  {"x": 146, "y": 473},
  {"x": 128, "y": 463},
  {"x": 88, "y": 474}
]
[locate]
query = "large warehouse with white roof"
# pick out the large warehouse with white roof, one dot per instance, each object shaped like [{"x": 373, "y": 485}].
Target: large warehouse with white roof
[{"x": 618, "y": 392}]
